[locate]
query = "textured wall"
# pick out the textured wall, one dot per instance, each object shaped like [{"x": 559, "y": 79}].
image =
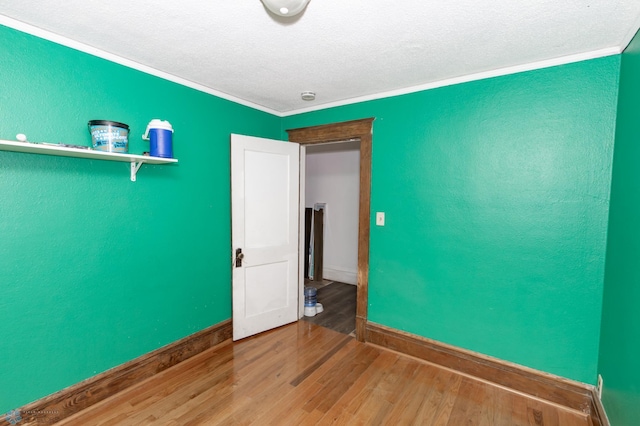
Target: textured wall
[
  {"x": 620, "y": 336},
  {"x": 95, "y": 269},
  {"x": 496, "y": 197}
]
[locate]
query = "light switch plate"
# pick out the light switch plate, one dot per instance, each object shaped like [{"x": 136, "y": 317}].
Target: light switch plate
[{"x": 380, "y": 218}]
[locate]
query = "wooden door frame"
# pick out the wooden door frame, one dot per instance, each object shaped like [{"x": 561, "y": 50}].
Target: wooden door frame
[{"x": 348, "y": 130}]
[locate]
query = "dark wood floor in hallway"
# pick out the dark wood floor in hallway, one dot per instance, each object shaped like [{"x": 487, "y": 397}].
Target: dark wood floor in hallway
[
  {"x": 304, "y": 374},
  {"x": 339, "y": 304}
]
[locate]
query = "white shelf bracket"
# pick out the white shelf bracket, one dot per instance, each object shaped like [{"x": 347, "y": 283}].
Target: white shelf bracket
[{"x": 135, "y": 166}]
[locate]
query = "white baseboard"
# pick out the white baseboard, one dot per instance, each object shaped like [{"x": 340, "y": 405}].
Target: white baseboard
[{"x": 346, "y": 277}]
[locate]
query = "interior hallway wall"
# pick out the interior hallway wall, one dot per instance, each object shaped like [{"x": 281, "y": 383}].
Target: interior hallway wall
[{"x": 333, "y": 177}]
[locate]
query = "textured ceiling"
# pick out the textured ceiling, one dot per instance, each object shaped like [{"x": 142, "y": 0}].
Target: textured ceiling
[{"x": 342, "y": 50}]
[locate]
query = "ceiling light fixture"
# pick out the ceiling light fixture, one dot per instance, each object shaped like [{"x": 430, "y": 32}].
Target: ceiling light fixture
[
  {"x": 308, "y": 96},
  {"x": 286, "y": 7}
]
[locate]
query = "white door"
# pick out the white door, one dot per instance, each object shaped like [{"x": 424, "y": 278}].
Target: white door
[{"x": 265, "y": 211}]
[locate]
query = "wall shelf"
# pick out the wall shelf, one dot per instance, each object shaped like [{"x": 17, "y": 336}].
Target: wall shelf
[{"x": 63, "y": 151}]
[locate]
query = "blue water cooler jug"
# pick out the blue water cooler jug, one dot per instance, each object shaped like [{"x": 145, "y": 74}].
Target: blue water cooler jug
[{"x": 160, "y": 136}]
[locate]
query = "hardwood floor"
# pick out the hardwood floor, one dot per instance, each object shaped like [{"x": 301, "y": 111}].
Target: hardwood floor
[
  {"x": 304, "y": 374},
  {"x": 339, "y": 302}
]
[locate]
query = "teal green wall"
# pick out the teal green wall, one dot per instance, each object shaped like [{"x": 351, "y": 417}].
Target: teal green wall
[
  {"x": 620, "y": 335},
  {"x": 496, "y": 194},
  {"x": 496, "y": 197},
  {"x": 95, "y": 269}
]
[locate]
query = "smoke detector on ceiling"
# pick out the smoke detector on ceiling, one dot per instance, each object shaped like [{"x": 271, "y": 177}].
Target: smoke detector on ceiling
[
  {"x": 308, "y": 96},
  {"x": 286, "y": 8}
]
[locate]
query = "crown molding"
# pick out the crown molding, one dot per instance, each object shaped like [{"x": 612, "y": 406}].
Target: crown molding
[
  {"x": 47, "y": 35},
  {"x": 94, "y": 51},
  {"x": 464, "y": 79}
]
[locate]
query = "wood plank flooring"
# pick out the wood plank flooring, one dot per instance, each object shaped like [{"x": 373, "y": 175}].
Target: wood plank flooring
[
  {"x": 304, "y": 374},
  {"x": 339, "y": 303}
]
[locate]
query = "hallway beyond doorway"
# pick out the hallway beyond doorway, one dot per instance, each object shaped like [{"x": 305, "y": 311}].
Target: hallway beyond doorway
[{"x": 339, "y": 304}]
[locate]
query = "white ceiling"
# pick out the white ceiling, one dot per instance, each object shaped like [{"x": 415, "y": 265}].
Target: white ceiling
[{"x": 344, "y": 50}]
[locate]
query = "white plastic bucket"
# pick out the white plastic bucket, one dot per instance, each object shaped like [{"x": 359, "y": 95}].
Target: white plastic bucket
[{"x": 109, "y": 136}]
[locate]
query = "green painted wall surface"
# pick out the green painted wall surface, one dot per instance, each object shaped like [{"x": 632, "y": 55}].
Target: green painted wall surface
[
  {"x": 620, "y": 335},
  {"x": 496, "y": 197},
  {"x": 95, "y": 269},
  {"x": 496, "y": 194}
]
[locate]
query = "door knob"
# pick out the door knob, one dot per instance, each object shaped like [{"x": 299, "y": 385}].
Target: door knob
[{"x": 239, "y": 257}]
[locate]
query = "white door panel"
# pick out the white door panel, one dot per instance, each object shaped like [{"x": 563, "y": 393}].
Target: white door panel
[
  {"x": 268, "y": 186},
  {"x": 265, "y": 220}
]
